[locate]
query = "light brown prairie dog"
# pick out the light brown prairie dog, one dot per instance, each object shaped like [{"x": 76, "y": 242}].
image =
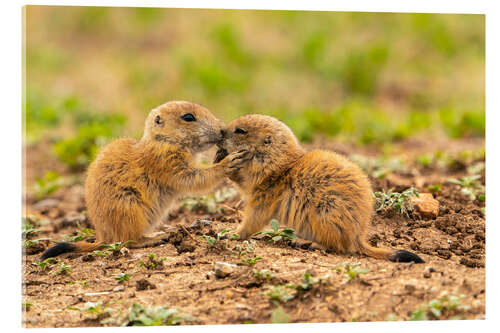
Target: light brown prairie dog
[
  {"x": 323, "y": 196},
  {"x": 132, "y": 183}
]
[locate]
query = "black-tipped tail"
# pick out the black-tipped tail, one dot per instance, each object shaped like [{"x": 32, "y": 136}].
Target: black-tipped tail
[
  {"x": 405, "y": 256},
  {"x": 59, "y": 248}
]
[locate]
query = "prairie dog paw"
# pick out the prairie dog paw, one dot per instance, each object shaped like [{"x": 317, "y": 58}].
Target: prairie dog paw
[{"x": 233, "y": 161}]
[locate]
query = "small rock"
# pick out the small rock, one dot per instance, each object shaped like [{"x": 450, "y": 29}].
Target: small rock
[
  {"x": 119, "y": 288},
  {"x": 426, "y": 205},
  {"x": 427, "y": 275},
  {"x": 223, "y": 269}
]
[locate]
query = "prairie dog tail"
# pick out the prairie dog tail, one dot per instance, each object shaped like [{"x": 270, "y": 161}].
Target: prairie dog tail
[
  {"x": 389, "y": 254},
  {"x": 65, "y": 247}
]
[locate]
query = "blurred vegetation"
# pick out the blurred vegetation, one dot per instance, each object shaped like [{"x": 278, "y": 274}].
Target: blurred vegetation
[{"x": 95, "y": 72}]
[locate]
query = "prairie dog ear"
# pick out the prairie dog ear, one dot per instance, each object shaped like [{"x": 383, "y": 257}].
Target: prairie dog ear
[
  {"x": 267, "y": 140},
  {"x": 159, "y": 121}
]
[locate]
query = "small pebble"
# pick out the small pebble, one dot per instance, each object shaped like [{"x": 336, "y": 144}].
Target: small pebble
[{"x": 223, "y": 269}]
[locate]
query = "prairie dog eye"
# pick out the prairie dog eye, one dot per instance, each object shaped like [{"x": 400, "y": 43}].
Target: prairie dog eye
[
  {"x": 188, "y": 117},
  {"x": 240, "y": 131},
  {"x": 158, "y": 120}
]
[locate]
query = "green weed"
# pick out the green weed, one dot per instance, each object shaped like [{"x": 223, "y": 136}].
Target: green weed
[
  {"x": 310, "y": 281},
  {"x": 279, "y": 293},
  {"x": 155, "y": 316},
  {"x": 152, "y": 262},
  {"x": 27, "y": 229},
  {"x": 122, "y": 277},
  {"x": 250, "y": 262},
  {"x": 398, "y": 202},
  {"x": 352, "y": 272},
  {"x": 276, "y": 235},
  {"x": 45, "y": 263},
  {"x": 247, "y": 247},
  {"x": 63, "y": 269},
  {"x": 437, "y": 308},
  {"x": 435, "y": 188},
  {"x": 92, "y": 308},
  {"x": 83, "y": 233},
  {"x": 117, "y": 246},
  {"x": 262, "y": 275},
  {"x": 470, "y": 187}
]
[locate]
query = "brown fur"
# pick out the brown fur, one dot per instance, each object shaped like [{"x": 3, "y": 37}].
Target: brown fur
[
  {"x": 323, "y": 196},
  {"x": 132, "y": 183}
]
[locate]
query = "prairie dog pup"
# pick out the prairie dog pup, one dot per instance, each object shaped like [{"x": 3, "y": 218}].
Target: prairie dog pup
[
  {"x": 132, "y": 183},
  {"x": 323, "y": 196}
]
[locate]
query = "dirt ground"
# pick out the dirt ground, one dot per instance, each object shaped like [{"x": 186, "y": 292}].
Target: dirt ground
[{"x": 453, "y": 246}]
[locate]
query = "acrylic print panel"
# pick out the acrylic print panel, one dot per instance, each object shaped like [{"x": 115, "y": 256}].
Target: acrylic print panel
[{"x": 401, "y": 95}]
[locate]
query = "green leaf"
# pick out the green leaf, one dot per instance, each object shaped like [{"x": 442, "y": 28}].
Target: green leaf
[
  {"x": 274, "y": 225},
  {"x": 277, "y": 238}
]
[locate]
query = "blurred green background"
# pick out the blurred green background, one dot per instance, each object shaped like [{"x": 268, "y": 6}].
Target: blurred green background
[{"x": 93, "y": 73}]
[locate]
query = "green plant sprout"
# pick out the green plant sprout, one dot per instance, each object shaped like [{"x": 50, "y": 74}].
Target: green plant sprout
[
  {"x": 398, "y": 202},
  {"x": 262, "y": 275},
  {"x": 277, "y": 235},
  {"x": 92, "y": 307},
  {"x": 279, "y": 293},
  {"x": 82, "y": 234},
  {"x": 352, "y": 272},
  {"x": 122, "y": 277},
  {"x": 152, "y": 262},
  {"x": 470, "y": 187},
  {"x": 437, "y": 307},
  {"x": 155, "y": 316},
  {"x": 246, "y": 248},
  {"x": 435, "y": 188},
  {"x": 250, "y": 262},
  {"x": 44, "y": 264},
  {"x": 309, "y": 281},
  {"x": 63, "y": 269},
  {"x": 28, "y": 229},
  {"x": 212, "y": 242},
  {"x": 117, "y": 246}
]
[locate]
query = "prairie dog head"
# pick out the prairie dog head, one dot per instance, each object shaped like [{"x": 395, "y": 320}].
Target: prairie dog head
[
  {"x": 183, "y": 124},
  {"x": 270, "y": 142}
]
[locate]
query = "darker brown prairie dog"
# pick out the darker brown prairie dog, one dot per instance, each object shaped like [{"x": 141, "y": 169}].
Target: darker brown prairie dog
[
  {"x": 323, "y": 196},
  {"x": 132, "y": 183}
]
